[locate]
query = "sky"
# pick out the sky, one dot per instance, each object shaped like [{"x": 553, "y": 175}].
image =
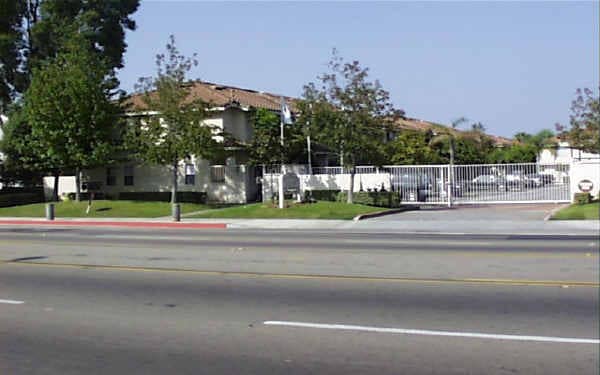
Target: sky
[{"x": 513, "y": 66}]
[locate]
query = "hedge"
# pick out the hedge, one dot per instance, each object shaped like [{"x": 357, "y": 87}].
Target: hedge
[
  {"x": 322, "y": 195},
  {"x": 17, "y": 199},
  {"x": 388, "y": 199},
  {"x": 164, "y": 196},
  {"x": 583, "y": 198}
]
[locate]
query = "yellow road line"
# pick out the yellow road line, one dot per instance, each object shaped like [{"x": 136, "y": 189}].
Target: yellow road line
[
  {"x": 479, "y": 281},
  {"x": 527, "y": 253}
]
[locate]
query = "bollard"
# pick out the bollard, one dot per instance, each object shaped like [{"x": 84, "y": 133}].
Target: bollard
[
  {"x": 176, "y": 211},
  {"x": 50, "y": 211}
]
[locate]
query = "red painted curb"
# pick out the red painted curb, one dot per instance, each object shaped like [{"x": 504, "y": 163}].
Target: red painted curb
[{"x": 132, "y": 224}]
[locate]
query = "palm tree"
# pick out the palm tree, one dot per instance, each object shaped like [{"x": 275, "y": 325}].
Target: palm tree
[{"x": 449, "y": 136}]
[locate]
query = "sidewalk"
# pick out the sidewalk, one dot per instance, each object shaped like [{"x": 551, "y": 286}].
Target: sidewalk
[{"x": 416, "y": 225}]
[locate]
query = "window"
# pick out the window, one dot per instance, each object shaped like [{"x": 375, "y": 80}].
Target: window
[
  {"x": 217, "y": 173},
  {"x": 128, "y": 175},
  {"x": 111, "y": 179},
  {"x": 190, "y": 174}
]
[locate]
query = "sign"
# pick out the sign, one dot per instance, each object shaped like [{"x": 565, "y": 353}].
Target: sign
[
  {"x": 291, "y": 183},
  {"x": 585, "y": 186}
]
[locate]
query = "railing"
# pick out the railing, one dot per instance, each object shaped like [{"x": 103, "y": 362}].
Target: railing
[{"x": 483, "y": 183}]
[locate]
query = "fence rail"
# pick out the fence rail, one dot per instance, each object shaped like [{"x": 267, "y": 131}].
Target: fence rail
[{"x": 463, "y": 184}]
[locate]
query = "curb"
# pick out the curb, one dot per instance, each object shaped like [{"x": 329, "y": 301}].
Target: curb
[
  {"x": 130, "y": 224},
  {"x": 386, "y": 212},
  {"x": 555, "y": 210}
]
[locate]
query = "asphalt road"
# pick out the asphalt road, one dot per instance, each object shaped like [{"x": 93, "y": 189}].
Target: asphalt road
[{"x": 228, "y": 302}]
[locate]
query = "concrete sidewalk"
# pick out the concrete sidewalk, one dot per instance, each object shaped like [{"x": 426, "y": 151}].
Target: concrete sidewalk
[{"x": 416, "y": 224}]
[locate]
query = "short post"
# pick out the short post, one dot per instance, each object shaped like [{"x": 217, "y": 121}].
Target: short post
[
  {"x": 176, "y": 211},
  {"x": 49, "y": 211}
]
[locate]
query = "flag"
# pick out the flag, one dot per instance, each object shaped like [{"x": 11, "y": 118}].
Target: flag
[{"x": 286, "y": 114}]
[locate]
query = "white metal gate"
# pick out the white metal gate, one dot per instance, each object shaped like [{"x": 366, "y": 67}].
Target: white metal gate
[{"x": 481, "y": 183}]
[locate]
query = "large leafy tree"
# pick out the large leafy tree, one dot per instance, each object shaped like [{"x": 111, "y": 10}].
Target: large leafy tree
[
  {"x": 355, "y": 113},
  {"x": 32, "y": 31},
  {"x": 412, "y": 147},
  {"x": 71, "y": 112},
  {"x": 584, "y": 131},
  {"x": 266, "y": 148},
  {"x": 175, "y": 128}
]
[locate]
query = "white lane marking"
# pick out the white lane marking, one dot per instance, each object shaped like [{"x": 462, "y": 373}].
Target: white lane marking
[
  {"x": 434, "y": 333},
  {"x": 11, "y": 302}
]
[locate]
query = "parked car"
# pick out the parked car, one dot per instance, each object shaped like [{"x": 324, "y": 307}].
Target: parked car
[
  {"x": 534, "y": 180},
  {"x": 457, "y": 188},
  {"x": 413, "y": 187},
  {"x": 488, "y": 182},
  {"x": 514, "y": 181}
]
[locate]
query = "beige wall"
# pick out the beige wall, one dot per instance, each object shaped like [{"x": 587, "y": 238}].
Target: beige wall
[
  {"x": 329, "y": 182},
  {"x": 152, "y": 178},
  {"x": 585, "y": 170},
  {"x": 66, "y": 185}
]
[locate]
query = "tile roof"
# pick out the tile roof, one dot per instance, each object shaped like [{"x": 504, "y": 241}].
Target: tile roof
[
  {"x": 222, "y": 95},
  {"x": 421, "y": 125}
]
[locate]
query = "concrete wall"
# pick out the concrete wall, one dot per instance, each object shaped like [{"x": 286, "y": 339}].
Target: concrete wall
[
  {"x": 329, "y": 182},
  {"x": 585, "y": 170},
  {"x": 66, "y": 185}
]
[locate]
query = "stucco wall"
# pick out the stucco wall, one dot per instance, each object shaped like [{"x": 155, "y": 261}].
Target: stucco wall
[
  {"x": 149, "y": 178},
  {"x": 585, "y": 170},
  {"x": 66, "y": 185},
  {"x": 329, "y": 182}
]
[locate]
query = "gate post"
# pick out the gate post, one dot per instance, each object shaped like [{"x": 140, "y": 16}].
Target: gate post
[{"x": 449, "y": 185}]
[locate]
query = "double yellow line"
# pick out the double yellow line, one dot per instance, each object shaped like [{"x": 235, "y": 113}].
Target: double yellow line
[{"x": 473, "y": 281}]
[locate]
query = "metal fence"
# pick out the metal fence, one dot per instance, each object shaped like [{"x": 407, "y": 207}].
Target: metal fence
[
  {"x": 464, "y": 184},
  {"x": 482, "y": 183}
]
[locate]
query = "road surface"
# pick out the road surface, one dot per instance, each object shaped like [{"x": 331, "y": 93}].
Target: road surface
[{"x": 254, "y": 302}]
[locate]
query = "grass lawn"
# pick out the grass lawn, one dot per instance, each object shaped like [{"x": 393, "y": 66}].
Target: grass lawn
[
  {"x": 590, "y": 211},
  {"x": 319, "y": 210},
  {"x": 102, "y": 208}
]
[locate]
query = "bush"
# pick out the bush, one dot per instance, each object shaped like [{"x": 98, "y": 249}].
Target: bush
[
  {"x": 583, "y": 198},
  {"x": 164, "y": 196},
  {"x": 375, "y": 198},
  {"x": 17, "y": 199},
  {"x": 322, "y": 195}
]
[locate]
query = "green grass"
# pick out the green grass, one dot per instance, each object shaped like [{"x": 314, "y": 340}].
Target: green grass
[
  {"x": 590, "y": 211},
  {"x": 319, "y": 210},
  {"x": 102, "y": 208}
]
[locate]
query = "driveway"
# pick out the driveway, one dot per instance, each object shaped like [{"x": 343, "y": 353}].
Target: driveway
[
  {"x": 510, "y": 212},
  {"x": 482, "y": 219}
]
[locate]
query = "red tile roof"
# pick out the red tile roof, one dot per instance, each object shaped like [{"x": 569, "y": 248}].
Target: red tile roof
[{"x": 222, "y": 95}]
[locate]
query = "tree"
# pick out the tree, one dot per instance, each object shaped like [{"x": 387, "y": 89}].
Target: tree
[
  {"x": 33, "y": 31},
  {"x": 265, "y": 147},
  {"x": 71, "y": 112},
  {"x": 532, "y": 143},
  {"x": 177, "y": 129},
  {"x": 411, "y": 147},
  {"x": 21, "y": 164},
  {"x": 448, "y": 137},
  {"x": 584, "y": 133},
  {"x": 355, "y": 113}
]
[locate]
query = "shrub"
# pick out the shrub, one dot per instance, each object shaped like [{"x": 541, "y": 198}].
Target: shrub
[
  {"x": 322, "y": 195},
  {"x": 17, "y": 199},
  {"x": 164, "y": 196},
  {"x": 374, "y": 198},
  {"x": 583, "y": 198}
]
